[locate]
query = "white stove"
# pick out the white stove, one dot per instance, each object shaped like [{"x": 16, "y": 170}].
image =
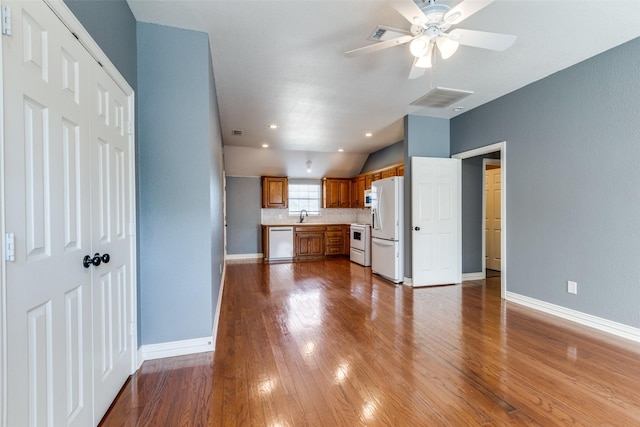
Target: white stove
[{"x": 360, "y": 241}]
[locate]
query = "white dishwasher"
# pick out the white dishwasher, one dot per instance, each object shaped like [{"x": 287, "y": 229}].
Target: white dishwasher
[{"x": 280, "y": 243}]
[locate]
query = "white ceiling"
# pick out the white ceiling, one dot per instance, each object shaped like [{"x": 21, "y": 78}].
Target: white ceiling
[{"x": 283, "y": 62}]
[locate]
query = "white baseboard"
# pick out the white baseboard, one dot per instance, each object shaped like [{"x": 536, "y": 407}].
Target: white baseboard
[
  {"x": 408, "y": 281},
  {"x": 216, "y": 317},
  {"x": 473, "y": 276},
  {"x": 595, "y": 322},
  {"x": 243, "y": 256},
  {"x": 176, "y": 348}
]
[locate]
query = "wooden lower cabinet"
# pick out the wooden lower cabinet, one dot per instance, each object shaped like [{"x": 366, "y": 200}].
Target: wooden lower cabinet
[
  {"x": 315, "y": 241},
  {"x": 334, "y": 239},
  {"x": 309, "y": 241},
  {"x": 346, "y": 242}
]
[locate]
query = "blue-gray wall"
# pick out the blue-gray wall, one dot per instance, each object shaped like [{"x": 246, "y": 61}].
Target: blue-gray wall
[
  {"x": 472, "y": 215},
  {"x": 423, "y": 137},
  {"x": 244, "y": 204},
  {"x": 113, "y": 26},
  {"x": 572, "y": 183},
  {"x": 216, "y": 188},
  {"x": 384, "y": 157},
  {"x": 180, "y": 195}
]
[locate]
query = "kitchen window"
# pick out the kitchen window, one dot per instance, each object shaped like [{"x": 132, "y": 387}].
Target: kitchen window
[{"x": 304, "y": 194}]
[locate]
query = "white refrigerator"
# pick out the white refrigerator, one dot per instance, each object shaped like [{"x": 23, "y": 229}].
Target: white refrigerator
[{"x": 387, "y": 228}]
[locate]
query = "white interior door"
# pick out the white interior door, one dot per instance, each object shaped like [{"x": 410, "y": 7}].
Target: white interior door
[
  {"x": 46, "y": 116},
  {"x": 493, "y": 218},
  {"x": 436, "y": 221},
  {"x": 110, "y": 207}
]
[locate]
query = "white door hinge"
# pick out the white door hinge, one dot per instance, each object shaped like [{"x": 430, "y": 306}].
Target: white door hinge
[
  {"x": 133, "y": 330},
  {"x": 131, "y": 130},
  {"x": 10, "y": 247},
  {"x": 6, "y": 20}
]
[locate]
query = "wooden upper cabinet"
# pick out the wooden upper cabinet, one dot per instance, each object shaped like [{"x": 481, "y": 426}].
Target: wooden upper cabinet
[
  {"x": 336, "y": 193},
  {"x": 357, "y": 192},
  {"x": 274, "y": 192},
  {"x": 368, "y": 179},
  {"x": 393, "y": 170},
  {"x": 388, "y": 173}
]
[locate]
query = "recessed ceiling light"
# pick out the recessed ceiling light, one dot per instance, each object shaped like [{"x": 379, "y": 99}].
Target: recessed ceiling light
[
  {"x": 265, "y": 145},
  {"x": 368, "y": 134},
  {"x": 273, "y": 126},
  {"x": 341, "y": 149},
  {"x": 458, "y": 109}
]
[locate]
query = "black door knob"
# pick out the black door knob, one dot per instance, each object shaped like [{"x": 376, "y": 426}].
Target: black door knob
[
  {"x": 96, "y": 259},
  {"x": 87, "y": 261},
  {"x": 417, "y": 228}
]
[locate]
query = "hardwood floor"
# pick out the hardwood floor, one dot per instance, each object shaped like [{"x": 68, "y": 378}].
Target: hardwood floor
[{"x": 325, "y": 343}]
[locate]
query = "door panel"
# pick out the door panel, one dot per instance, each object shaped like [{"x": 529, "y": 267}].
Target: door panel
[
  {"x": 436, "y": 248},
  {"x": 112, "y": 289},
  {"x": 493, "y": 220},
  {"x": 46, "y": 116}
]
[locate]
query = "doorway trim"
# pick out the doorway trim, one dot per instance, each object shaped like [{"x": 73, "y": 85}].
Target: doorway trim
[{"x": 502, "y": 148}]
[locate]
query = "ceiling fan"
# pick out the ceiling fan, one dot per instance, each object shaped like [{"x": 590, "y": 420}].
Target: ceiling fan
[{"x": 429, "y": 32}]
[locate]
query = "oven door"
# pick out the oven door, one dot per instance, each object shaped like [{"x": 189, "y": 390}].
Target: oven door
[{"x": 357, "y": 238}]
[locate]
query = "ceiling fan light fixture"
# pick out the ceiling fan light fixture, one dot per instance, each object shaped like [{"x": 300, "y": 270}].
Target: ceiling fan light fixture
[
  {"x": 447, "y": 46},
  {"x": 419, "y": 46},
  {"x": 426, "y": 61}
]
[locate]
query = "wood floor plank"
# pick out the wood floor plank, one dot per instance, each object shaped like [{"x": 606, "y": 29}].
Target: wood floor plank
[{"x": 325, "y": 343}]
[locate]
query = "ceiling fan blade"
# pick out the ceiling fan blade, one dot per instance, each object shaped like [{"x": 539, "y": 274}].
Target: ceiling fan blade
[
  {"x": 416, "y": 72},
  {"x": 410, "y": 11},
  {"x": 482, "y": 39},
  {"x": 464, "y": 10},
  {"x": 378, "y": 46}
]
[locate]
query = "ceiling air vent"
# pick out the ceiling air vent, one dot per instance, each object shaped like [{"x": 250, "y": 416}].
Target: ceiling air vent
[
  {"x": 236, "y": 132},
  {"x": 441, "y": 97},
  {"x": 382, "y": 33}
]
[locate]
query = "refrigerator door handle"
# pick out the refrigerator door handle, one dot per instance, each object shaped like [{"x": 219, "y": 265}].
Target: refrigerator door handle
[
  {"x": 380, "y": 195},
  {"x": 374, "y": 219}
]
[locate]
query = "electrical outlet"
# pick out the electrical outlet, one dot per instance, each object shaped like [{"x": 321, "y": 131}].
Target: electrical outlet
[{"x": 572, "y": 287}]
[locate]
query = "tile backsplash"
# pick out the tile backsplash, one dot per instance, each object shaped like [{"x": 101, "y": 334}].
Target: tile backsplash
[{"x": 327, "y": 216}]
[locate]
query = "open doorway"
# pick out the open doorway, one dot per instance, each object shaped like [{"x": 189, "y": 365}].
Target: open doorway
[{"x": 500, "y": 150}]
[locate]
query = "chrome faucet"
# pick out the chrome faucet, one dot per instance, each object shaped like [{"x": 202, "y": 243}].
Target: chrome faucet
[{"x": 305, "y": 213}]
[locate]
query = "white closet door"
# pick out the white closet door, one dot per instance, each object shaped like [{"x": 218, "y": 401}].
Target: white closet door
[
  {"x": 47, "y": 136},
  {"x": 110, "y": 207}
]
